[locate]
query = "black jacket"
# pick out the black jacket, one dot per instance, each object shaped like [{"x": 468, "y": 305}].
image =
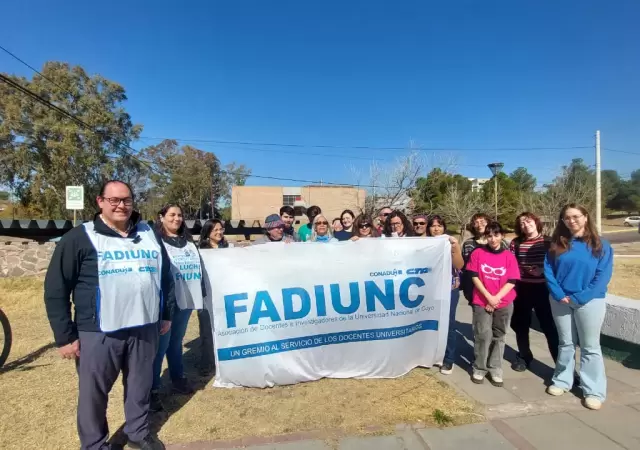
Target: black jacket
[{"x": 73, "y": 273}]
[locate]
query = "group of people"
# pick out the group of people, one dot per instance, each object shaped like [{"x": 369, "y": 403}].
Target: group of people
[{"x": 134, "y": 288}]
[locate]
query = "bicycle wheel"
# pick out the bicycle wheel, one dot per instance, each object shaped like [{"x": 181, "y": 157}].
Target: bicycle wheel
[{"x": 5, "y": 338}]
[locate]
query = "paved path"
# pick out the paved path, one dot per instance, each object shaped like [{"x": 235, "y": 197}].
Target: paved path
[
  {"x": 622, "y": 236},
  {"x": 519, "y": 415}
]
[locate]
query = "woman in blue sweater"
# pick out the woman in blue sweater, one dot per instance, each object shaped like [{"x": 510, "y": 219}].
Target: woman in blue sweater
[{"x": 578, "y": 269}]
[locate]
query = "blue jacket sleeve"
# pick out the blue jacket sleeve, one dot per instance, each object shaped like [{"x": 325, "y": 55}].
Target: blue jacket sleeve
[
  {"x": 598, "y": 286},
  {"x": 554, "y": 287}
]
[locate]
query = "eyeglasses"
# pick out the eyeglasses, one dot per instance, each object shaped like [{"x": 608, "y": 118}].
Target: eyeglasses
[
  {"x": 321, "y": 222},
  {"x": 573, "y": 218},
  {"x": 115, "y": 201},
  {"x": 364, "y": 225},
  {"x": 384, "y": 214},
  {"x": 396, "y": 224},
  {"x": 419, "y": 224}
]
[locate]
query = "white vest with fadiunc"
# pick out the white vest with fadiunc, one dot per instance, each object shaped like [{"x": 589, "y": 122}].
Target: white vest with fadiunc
[
  {"x": 129, "y": 272},
  {"x": 187, "y": 275}
]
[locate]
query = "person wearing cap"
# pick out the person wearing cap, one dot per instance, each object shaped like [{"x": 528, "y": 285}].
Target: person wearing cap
[
  {"x": 420, "y": 225},
  {"x": 273, "y": 231}
]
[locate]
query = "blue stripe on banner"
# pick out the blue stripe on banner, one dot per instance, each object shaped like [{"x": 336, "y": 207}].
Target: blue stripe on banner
[{"x": 318, "y": 340}]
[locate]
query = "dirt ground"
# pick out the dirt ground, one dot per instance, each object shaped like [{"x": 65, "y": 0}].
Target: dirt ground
[{"x": 38, "y": 394}]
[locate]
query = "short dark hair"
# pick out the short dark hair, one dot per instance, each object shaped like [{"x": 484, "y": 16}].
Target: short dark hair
[
  {"x": 108, "y": 182},
  {"x": 338, "y": 219},
  {"x": 286, "y": 209},
  {"x": 347, "y": 211},
  {"x": 438, "y": 219},
  {"x": 313, "y": 211},
  {"x": 493, "y": 228}
]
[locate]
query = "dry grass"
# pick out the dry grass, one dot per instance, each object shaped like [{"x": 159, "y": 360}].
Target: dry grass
[
  {"x": 626, "y": 278},
  {"x": 38, "y": 394}
]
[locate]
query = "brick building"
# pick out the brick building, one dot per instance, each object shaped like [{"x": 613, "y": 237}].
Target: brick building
[{"x": 254, "y": 203}]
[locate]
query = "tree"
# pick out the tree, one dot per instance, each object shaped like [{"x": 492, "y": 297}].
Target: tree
[
  {"x": 458, "y": 206},
  {"x": 430, "y": 191},
  {"x": 524, "y": 181},
  {"x": 4, "y": 195},
  {"x": 188, "y": 176},
  {"x": 507, "y": 199},
  {"x": 41, "y": 152}
]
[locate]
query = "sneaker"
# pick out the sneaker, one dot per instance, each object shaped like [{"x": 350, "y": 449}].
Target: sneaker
[
  {"x": 182, "y": 386},
  {"x": 148, "y": 443},
  {"x": 477, "y": 378},
  {"x": 446, "y": 369},
  {"x": 555, "y": 391},
  {"x": 155, "y": 403},
  {"x": 593, "y": 403},
  {"x": 496, "y": 381},
  {"x": 520, "y": 365}
]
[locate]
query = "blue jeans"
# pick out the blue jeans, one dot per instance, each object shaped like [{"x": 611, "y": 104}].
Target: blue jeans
[
  {"x": 580, "y": 323},
  {"x": 170, "y": 344},
  {"x": 450, "y": 352}
]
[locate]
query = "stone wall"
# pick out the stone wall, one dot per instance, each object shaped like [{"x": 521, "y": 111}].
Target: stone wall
[{"x": 21, "y": 259}]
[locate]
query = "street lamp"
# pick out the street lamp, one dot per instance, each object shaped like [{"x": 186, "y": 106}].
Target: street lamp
[{"x": 496, "y": 168}]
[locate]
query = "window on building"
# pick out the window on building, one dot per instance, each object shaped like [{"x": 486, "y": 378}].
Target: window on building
[{"x": 289, "y": 200}]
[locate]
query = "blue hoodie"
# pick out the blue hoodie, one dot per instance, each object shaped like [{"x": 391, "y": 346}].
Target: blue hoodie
[{"x": 578, "y": 274}]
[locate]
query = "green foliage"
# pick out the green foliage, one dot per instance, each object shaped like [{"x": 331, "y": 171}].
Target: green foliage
[
  {"x": 508, "y": 193},
  {"x": 525, "y": 182},
  {"x": 41, "y": 152},
  {"x": 4, "y": 196},
  {"x": 430, "y": 191},
  {"x": 441, "y": 418}
]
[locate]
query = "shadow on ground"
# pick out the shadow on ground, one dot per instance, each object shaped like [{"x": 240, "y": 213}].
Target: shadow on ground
[
  {"x": 172, "y": 402},
  {"x": 19, "y": 364}
]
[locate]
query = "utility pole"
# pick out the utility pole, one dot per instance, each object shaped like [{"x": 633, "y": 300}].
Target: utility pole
[
  {"x": 598, "y": 186},
  {"x": 495, "y": 168}
]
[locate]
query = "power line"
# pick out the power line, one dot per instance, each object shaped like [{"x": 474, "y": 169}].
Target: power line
[
  {"x": 620, "y": 151},
  {"x": 364, "y": 147}
]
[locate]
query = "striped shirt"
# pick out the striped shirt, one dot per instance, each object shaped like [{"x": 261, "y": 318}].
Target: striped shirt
[
  {"x": 471, "y": 244},
  {"x": 530, "y": 254}
]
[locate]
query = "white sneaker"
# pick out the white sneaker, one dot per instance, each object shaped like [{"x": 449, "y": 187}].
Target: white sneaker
[
  {"x": 593, "y": 403},
  {"x": 555, "y": 391},
  {"x": 477, "y": 378}
]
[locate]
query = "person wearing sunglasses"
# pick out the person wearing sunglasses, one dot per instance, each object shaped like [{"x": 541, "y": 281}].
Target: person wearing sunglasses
[
  {"x": 306, "y": 230},
  {"x": 436, "y": 226},
  {"x": 382, "y": 218},
  {"x": 494, "y": 271},
  {"x": 273, "y": 231},
  {"x": 363, "y": 228},
  {"x": 420, "y": 225},
  {"x": 397, "y": 225},
  {"x": 321, "y": 230},
  {"x": 578, "y": 269}
]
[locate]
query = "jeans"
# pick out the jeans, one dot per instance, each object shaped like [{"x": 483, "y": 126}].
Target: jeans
[
  {"x": 450, "y": 352},
  {"x": 533, "y": 297},
  {"x": 171, "y": 345},
  {"x": 489, "y": 330},
  {"x": 580, "y": 323}
]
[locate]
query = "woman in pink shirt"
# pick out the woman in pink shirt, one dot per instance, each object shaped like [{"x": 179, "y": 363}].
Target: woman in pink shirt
[{"x": 494, "y": 271}]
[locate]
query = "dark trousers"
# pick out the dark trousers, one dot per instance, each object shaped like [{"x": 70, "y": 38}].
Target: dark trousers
[
  {"x": 102, "y": 357},
  {"x": 450, "y": 352},
  {"x": 207, "y": 355},
  {"x": 533, "y": 297}
]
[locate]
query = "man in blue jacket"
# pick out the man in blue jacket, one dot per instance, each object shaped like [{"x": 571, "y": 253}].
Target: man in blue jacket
[{"x": 118, "y": 276}]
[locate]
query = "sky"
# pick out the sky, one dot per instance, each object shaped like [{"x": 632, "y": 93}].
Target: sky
[{"x": 466, "y": 75}]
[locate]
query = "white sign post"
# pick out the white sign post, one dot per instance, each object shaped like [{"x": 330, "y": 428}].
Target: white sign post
[
  {"x": 288, "y": 313},
  {"x": 75, "y": 199}
]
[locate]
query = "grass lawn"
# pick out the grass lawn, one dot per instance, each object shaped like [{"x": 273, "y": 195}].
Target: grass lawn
[
  {"x": 38, "y": 394},
  {"x": 626, "y": 278}
]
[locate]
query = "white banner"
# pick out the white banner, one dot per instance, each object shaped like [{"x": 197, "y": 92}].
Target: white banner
[{"x": 287, "y": 313}]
